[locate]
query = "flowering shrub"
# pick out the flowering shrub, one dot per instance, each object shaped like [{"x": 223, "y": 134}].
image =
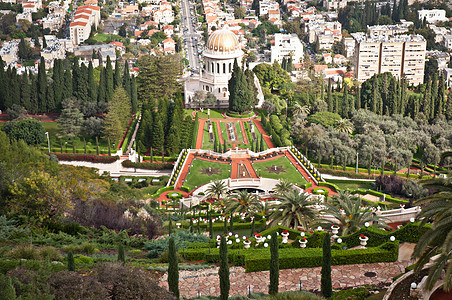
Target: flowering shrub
[
  {"x": 87, "y": 157},
  {"x": 363, "y": 236}
]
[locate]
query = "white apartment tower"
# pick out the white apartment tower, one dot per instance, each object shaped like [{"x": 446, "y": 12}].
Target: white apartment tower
[
  {"x": 401, "y": 55},
  {"x": 287, "y": 45}
]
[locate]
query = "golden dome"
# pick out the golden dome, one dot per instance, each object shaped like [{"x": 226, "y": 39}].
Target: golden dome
[{"x": 223, "y": 40}]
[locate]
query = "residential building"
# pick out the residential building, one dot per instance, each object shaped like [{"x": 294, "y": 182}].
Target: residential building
[
  {"x": 53, "y": 21},
  {"x": 386, "y": 30},
  {"x": 9, "y": 51},
  {"x": 266, "y": 5},
  {"x": 447, "y": 41},
  {"x": 287, "y": 45},
  {"x": 326, "y": 38},
  {"x": 432, "y": 15},
  {"x": 447, "y": 73},
  {"x": 314, "y": 28},
  {"x": 349, "y": 44},
  {"x": 79, "y": 32},
  {"x": 334, "y": 4},
  {"x": 27, "y": 16},
  {"x": 401, "y": 55},
  {"x": 85, "y": 17}
]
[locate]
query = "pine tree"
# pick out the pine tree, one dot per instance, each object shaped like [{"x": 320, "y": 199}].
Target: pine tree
[
  {"x": 121, "y": 255},
  {"x": 92, "y": 86},
  {"x": 109, "y": 80},
  {"x": 70, "y": 262},
  {"x": 326, "y": 285},
  {"x": 223, "y": 271},
  {"x": 173, "y": 269},
  {"x": 274, "y": 265}
]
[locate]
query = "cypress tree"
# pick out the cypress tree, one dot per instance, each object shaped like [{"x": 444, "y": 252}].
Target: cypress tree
[
  {"x": 198, "y": 226},
  {"x": 126, "y": 83},
  {"x": 97, "y": 146},
  {"x": 42, "y": 86},
  {"x": 239, "y": 94},
  {"x": 170, "y": 225},
  {"x": 134, "y": 98},
  {"x": 70, "y": 262},
  {"x": 50, "y": 98},
  {"x": 75, "y": 76},
  {"x": 25, "y": 92},
  {"x": 102, "y": 94},
  {"x": 439, "y": 105},
  {"x": 44, "y": 42},
  {"x": 261, "y": 144},
  {"x": 109, "y": 80},
  {"x": 109, "y": 149},
  {"x": 434, "y": 96},
  {"x": 326, "y": 285},
  {"x": 210, "y": 226},
  {"x": 173, "y": 269},
  {"x": 231, "y": 224},
  {"x": 274, "y": 265},
  {"x": 92, "y": 86},
  {"x": 67, "y": 90},
  {"x": 225, "y": 225},
  {"x": 329, "y": 97},
  {"x": 117, "y": 77},
  {"x": 223, "y": 271},
  {"x": 84, "y": 144},
  {"x": 345, "y": 104},
  {"x": 191, "y": 225},
  {"x": 358, "y": 99},
  {"x": 252, "y": 228},
  {"x": 121, "y": 255},
  {"x": 82, "y": 84},
  {"x": 157, "y": 134}
]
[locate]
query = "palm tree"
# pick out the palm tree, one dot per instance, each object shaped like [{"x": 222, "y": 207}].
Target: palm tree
[
  {"x": 344, "y": 125},
  {"x": 283, "y": 186},
  {"x": 298, "y": 109},
  {"x": 293, "y": 210},
  {"x": 216, "y": 189},
  {"x": 243, "y": 202},
  {"x": 438, "y": 239},
  {"x": 350, "y": 214}
]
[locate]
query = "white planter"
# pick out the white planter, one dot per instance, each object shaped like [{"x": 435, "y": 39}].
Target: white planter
[
  {"x": 363, "y": 241},
  {"x": 285, "y": 237},
  {"x": 247, "y": 244},
  {"x": 178, "y": 225},
  {"x": 335, "y": 230},
  {"x": 259, "y": 240},
  {"x": 303, "y": 243}
]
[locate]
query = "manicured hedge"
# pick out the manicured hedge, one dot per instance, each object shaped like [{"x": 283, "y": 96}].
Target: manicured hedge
[
  {"x": 332, "y": 186},
  {"x": 87, "y": 157},
  {"x": 234, "y": 115},
  {"x": 320, "y": 191},
  {"x": 162, "y": 190},
  {"x": 147, "y": 166},
  {"x": 185, "y": 189},
  {"x": 388, "y": 198},
  {"x": 293, "y": 234},
  {"x": 312, "y": 257},
  {"x": 410, "y": 233},
  {"x": 306, "y": 185},
  {"x": 159, "y": 158}
]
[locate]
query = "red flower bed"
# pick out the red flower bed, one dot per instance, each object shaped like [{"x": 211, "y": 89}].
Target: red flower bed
[{"x": 87, "y": 157}]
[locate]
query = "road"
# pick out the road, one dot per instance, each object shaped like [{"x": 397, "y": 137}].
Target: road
[{"x": 190, "y": 35}]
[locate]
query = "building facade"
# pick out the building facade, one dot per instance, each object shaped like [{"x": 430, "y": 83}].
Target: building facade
[
  {"x": 401, "y": 55},
  {"x": 286, "y": 46}
]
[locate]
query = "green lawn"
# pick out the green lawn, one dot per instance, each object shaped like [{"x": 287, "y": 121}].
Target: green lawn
[
  {"x": 214, "y": 114},
  {"x": 56, "y": 143},
  {"x": 352, "y": 184},
  {"x": 102, "y": 37},
  {"x": 239, "y": 138},
  {"x": 206, "y": 144},
  {"x": 195, "y": 178},
  {"x": 291, "y": 173}
]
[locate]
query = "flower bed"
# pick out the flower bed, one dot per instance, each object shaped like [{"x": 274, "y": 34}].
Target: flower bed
[
  {"x": 87, "y": 157},
  {"x": 147, "y": 166}
]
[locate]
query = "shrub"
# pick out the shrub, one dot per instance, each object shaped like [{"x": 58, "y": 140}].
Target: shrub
[
  {"x": 70, "y": 262},
  {"x": 24, "y": 251},
  {"x": 50, "y": 253},
  {"x": 181, "y": 238},
  {"x": 360, "y": 293},
  {"x": 81, "y": 259},
  {"x": 147, "y": 166},
  {"x": 87, "y": 157}
]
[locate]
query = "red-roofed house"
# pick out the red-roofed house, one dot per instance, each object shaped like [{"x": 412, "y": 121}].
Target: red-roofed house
[
  {"x": 79, "y": 32},
  {"x": 169, "y": 46},
  {"x": 168, "y": 30}
]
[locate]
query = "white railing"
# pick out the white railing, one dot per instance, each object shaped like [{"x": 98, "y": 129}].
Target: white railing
[
  {"x": 175, "y": 168},
  {"x": 305, "y": 160}
]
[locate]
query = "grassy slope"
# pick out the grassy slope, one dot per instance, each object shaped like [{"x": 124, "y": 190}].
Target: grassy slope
[
  {"x": 291, "y": 172},
  {"x": 195, "y": 178}
]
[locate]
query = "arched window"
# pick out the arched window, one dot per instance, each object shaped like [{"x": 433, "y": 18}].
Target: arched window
[
  {"x": 224, "y": 68},
  {"x": 218, "y": 68},
  {"x": 211, "y": 68},
  {"x": 219, "y": 90}
]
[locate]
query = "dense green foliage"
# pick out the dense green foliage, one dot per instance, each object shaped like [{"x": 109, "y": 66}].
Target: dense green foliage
[
  {"x": 274, "y": 265},
  {"x": 223, "y": 271},
  {"x": 30, "y": 131},
  {"x": 173, "y": 269},
  {"x": 325, "y": 282}
]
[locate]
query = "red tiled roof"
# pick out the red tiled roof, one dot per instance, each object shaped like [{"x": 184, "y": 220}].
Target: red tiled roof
[{"x": 78, "y": 24}]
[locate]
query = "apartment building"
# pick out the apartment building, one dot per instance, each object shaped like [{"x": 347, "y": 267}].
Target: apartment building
[
  {"x": 386, "y": 30},
  {"x": 53, "y": 21},
  {"x": 334, "y": 4},
  {"x": 266, "y": 5},
  {"x": 432, "y": 15},
  {"x": 326, "y": 38},
  {"x": 85, "y": 17},
  {"x": 315, "y": 28},
  {"x": 401, "y": 55},
  {"x": 287, "y": 45},
  {"x": 9, "y": 51}
]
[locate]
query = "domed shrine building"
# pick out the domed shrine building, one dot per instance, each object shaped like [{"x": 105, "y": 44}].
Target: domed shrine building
[{"x": 221, "y": 50}]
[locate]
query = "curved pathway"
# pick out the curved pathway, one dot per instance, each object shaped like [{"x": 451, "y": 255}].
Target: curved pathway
[{"x": 207, "y": 281}]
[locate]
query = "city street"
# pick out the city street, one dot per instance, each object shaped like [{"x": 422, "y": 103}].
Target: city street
[{"x": 190, "y": 35}]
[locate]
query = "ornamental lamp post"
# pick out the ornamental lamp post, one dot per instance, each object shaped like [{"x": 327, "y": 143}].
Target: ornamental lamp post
[{"x": 48, "y": 140}]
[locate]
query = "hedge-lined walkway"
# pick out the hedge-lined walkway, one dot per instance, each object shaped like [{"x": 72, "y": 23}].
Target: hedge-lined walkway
[{"x": 207, "y": 281}]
